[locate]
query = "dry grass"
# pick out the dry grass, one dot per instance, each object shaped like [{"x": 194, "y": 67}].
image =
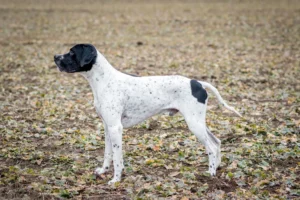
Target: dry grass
[{"x": 49, "y": 137}]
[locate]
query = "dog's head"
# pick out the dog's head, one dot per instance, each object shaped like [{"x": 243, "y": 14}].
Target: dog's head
[{"x": 81, "y": 58}]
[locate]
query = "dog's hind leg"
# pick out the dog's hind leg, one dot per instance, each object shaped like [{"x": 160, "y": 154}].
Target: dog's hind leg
[
  {"x": 212, "y": 144},
  {"x": 217, "y": 143}
]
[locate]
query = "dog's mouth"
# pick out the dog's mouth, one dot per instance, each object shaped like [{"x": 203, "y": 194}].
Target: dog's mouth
[
  {"x": 64, "y": 70},
  {"x": 57, "y": 62},
  {"x": 60, "y": 69}
]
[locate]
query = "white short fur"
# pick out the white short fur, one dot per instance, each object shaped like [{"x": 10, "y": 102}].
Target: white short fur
[{"x": 122, "y": 101}]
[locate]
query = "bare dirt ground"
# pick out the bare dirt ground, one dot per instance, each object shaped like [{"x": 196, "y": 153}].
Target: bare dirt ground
[{"x": 51, "y": 139}]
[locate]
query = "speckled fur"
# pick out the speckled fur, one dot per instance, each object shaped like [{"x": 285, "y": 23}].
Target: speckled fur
[{"x": 123, "y": 100}]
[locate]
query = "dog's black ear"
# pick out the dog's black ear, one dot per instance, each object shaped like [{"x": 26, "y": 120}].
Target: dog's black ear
[{"x": 85, "y": 54}]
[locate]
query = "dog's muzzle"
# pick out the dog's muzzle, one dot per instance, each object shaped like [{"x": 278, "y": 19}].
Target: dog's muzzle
[{"x": 57, "y": 59}]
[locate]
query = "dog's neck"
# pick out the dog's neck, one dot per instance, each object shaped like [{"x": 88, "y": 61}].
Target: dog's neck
[
  {"x": 102, "y": 72},
  {"x": 100, "y": 69}
]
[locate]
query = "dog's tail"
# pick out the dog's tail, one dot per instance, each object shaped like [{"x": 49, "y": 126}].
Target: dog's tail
[{"x": 220, "y": 99}]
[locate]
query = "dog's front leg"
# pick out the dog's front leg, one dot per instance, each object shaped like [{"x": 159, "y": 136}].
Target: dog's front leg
[
  {"x": 115, "y": 135},
  {"x": 107, "y": 154}
]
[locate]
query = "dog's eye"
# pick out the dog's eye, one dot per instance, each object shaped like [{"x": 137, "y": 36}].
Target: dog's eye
[{"x": 72, "y": 53}]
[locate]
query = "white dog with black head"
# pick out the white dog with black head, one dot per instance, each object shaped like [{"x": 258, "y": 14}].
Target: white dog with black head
[{"x": 122, "y": 101}]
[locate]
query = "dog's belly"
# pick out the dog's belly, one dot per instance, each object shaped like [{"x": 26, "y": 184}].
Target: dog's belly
[
  {"x": 136, "y": 116},
  {"x": 138, "y": 112},
  {"x": 129, "y": 120}
]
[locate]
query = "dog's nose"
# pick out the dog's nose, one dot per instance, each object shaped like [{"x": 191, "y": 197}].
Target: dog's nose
[{"x": 56, "y": 57}]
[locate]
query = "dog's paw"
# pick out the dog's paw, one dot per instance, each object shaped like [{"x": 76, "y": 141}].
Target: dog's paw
[
  {"x": 99, "y": 171},
  {"x": 113, "y": 181},
  {"x": 212, "y": 171}
]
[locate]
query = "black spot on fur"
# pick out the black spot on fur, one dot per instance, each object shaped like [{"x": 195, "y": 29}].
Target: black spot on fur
[
  {"x": 106, "y": 167},
  {"x": 198, "y": 91}
]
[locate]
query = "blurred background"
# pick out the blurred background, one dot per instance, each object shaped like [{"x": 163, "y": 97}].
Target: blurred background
[{"x": 50, "y": 134}]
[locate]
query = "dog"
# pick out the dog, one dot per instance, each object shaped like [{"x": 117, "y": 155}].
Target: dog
[{"x": 123, "y": 100}]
